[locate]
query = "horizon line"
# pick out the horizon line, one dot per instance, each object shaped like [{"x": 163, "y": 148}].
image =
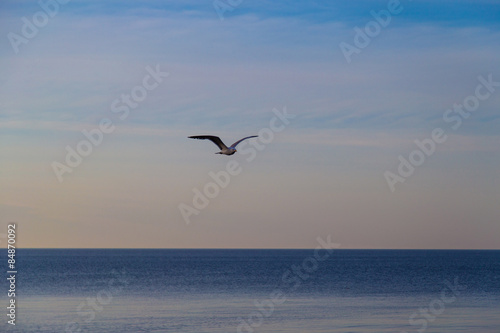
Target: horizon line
[{"x": 236, "y": 248}]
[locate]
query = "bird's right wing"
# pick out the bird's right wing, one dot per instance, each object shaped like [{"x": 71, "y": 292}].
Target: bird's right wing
[
  {"x": 236, "y": 143},
  {"x": 214, "y": 139}
]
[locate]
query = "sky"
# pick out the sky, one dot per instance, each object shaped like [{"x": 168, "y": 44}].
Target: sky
[{"x": 378, "y": 123}]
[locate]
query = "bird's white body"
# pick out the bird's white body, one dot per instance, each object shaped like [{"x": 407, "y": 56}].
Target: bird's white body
[
  {"x": 228, "y": 151},
  {"x": 224, "y": 150}
]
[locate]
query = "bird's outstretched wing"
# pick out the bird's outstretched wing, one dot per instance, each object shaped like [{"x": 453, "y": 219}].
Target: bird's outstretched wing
[
  {"x": 214, "y": 139},
  {"x": 236, "y": 143}
]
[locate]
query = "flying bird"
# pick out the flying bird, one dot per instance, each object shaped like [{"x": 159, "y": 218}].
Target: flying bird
[{"x": 225, "y": 150}]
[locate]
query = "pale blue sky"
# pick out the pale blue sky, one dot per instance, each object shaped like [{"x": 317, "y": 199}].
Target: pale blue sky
[{"x": 323, "y": 174}]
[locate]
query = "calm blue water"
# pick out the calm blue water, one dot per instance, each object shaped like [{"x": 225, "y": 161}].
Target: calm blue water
[{"x": 255, "y": 291}]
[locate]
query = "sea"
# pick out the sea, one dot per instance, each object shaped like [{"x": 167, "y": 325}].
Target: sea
[{"x": 228, "y": 290}]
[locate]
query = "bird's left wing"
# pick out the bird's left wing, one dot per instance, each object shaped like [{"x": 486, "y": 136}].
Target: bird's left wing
[{"x": 214, "y": 139}]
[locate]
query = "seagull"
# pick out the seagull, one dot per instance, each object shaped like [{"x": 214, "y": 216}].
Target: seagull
[{"x": 225, "y": 150}]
